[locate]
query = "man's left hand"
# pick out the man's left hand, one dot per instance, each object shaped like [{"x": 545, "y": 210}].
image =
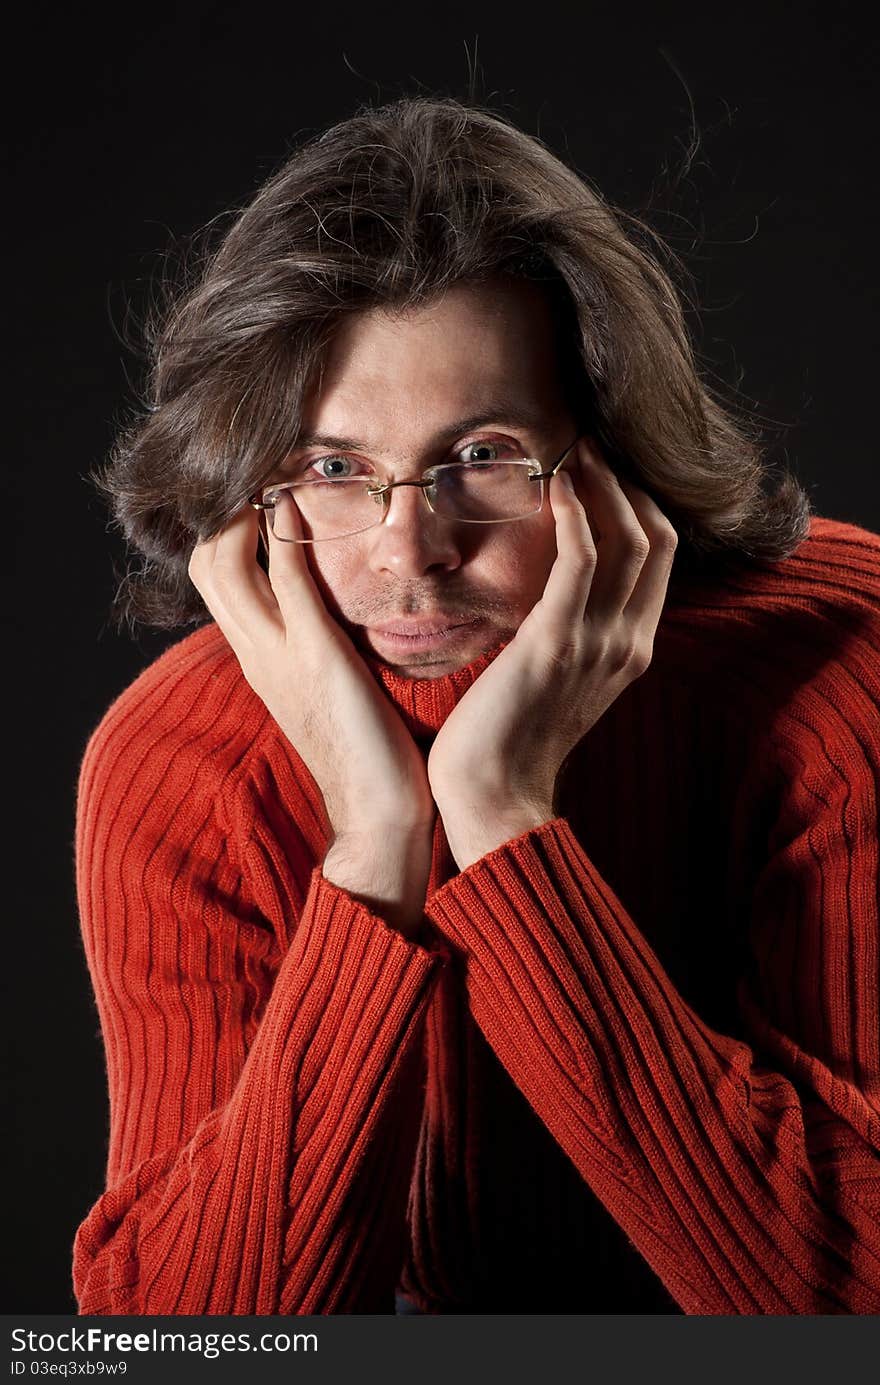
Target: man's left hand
[{"x": 494, "y": 764}]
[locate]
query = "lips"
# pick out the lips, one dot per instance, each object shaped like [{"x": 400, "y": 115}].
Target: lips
[
  {"x": 411, "y": 636},
  {"x": 416, "y": 627}
]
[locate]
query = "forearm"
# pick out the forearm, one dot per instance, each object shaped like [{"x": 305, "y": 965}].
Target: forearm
[
  {"x": 387, "y": 869},
  {"x": 743, "y": 1189},
  {"x": 235, "y": 1207}
]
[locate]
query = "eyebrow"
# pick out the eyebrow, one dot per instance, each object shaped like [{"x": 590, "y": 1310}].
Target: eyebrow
[{"x": 496, "y": 411}]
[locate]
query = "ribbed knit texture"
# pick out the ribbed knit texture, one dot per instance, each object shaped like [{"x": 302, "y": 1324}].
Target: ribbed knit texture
[{"x": 635, "y": 1067}]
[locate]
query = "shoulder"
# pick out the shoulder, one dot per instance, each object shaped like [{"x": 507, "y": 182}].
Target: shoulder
[
  {"x": 188, "y": 723},
  {"x": 192, "y": 695},
  {"x": 837, "y": 566},
  {"x": 831, "y": 578},
  {"x": 796, "y": 640}
]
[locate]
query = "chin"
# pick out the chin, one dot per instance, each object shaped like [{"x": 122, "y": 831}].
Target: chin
[
  {"x": 428, "y": 670},
  {"x": 437, "y": 667}
]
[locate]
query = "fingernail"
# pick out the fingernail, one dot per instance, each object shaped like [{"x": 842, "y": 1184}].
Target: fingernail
[{"x": 566, "y": 480}]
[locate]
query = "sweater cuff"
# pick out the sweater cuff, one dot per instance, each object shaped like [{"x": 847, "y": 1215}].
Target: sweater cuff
[
  {"x": 341, "y": 955},
  {"x": 533, "y": 869},
  {"x": 333, "y": 906}
]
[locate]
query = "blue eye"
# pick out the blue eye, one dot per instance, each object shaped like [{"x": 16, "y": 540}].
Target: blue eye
[
  {"x": 337, "y": 473},
  {"x": 477, "y": 453}
]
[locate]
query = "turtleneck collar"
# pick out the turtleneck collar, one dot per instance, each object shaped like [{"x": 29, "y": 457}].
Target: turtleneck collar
[{"x": 425, "y": 703}]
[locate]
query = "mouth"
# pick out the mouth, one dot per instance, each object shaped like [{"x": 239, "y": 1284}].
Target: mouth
[{"x": 420, "y": 633}]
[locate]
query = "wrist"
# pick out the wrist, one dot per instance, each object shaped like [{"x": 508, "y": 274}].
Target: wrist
[
  {"x": 382, "y": 837},
  {"x": 371, "y": 824},
  {"x": 386, "y": 869},
  {"x": 475, "y": 829}
]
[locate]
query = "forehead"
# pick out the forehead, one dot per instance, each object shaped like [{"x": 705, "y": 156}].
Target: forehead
[{"x": 409, "y": 374}]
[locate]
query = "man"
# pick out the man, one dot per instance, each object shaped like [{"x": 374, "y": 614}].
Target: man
[{"x": 482, "y": 906}]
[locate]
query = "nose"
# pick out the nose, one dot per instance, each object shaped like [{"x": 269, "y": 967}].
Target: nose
[{"x": 411, "y": 539}]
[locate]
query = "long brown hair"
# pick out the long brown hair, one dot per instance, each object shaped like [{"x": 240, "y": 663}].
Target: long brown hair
[{"x": 390, "y": 208}]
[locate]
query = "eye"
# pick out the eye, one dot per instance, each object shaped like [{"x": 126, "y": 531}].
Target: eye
[
  {"x": 331, "y": 468},
  {"x": 485, "y": 452}
]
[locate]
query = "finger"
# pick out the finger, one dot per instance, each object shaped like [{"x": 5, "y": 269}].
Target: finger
[
  {"x": 645, "y": 605},
  {"x": 225, "y": 572},
  {"x": 622, "y": 545},
  {"x": 574, "y": 469},
  {"x": 567, "y": 589},
  {"x": 295, "y": 590}
]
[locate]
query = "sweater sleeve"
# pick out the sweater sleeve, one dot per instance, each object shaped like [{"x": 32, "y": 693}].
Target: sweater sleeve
[
  {"x": 747, "y": 1174},
  {"x": 264, "y": 1099}
]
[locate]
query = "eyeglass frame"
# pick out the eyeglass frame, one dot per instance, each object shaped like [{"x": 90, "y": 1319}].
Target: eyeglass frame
[{"x": 383, "y": 493}]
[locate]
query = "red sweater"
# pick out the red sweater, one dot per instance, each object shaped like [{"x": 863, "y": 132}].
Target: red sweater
[{"x": 635, "y": 1067}]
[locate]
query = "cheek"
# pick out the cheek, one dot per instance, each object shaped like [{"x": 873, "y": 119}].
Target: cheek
[
  {"x": 522, "y": 563},
  {"x": 333, "y": 572}
]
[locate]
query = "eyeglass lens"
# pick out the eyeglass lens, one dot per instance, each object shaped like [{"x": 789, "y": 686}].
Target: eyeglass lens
[{"x": 475, "y": 493}]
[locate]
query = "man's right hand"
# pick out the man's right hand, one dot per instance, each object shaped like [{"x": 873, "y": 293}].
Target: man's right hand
[{"x": 306, "y": 670}]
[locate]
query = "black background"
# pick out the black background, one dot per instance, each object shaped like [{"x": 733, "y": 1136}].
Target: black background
[{"x": 132, "y": 130}]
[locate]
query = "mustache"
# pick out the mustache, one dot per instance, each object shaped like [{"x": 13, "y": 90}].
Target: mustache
[{"x": 464, "y": 606}]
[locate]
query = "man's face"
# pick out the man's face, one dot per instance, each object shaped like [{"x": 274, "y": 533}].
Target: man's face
[{"x": 478, "y": 365}]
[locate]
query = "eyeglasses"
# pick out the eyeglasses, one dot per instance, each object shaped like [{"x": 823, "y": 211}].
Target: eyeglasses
[{"x": 471, "y": 492}]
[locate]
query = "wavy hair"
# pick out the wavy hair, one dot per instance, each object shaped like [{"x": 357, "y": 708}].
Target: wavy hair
[{"x": 389, "y": 209}]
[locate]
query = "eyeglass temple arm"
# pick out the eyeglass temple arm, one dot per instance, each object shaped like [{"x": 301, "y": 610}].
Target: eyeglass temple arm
[{"x": 546, "y": 475}]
